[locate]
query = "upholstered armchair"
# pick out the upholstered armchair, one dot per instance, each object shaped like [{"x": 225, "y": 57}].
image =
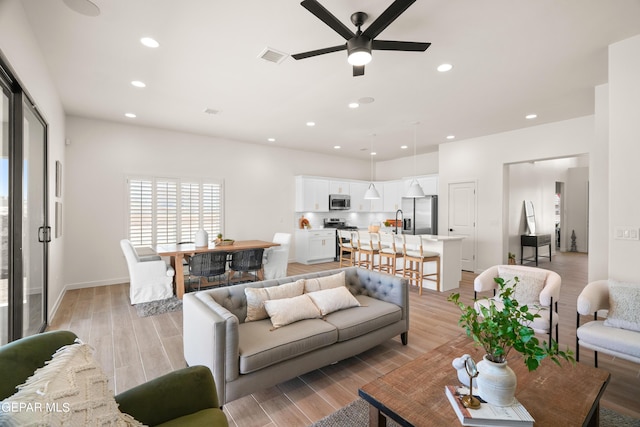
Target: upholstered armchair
[
  {"x": 186, "y": 397},
  {"x": 617, "y": 333},
  {"x": 538, "y": 288},
  {"x": 150, "y": 277},
  {"x": 276, "y": 258}
]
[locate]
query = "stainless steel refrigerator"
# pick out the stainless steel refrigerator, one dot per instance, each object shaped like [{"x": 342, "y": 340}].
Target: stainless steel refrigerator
[{"x": 420, "y": 215}]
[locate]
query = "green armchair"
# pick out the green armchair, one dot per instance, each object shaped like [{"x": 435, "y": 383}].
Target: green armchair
[{"x": 186, "y": 397}]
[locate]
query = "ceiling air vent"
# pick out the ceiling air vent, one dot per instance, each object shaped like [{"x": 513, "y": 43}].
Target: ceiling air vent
[{"x": 272, "y": 55}]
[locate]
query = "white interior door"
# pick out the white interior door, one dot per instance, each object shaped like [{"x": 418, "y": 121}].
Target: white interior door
[{"x": 462, "y": 220}]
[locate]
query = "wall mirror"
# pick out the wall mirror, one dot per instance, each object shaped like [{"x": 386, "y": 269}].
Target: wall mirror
[{"x": 530, "y": 216}]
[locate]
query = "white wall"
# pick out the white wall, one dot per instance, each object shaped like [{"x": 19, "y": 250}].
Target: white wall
[
  {"x": 484, "y": 159},
  {"x": 259, "y": 187},
  {"x": 19, "y": 46},
  {"x": 425, "y": 164},
  {"x": 599, "y": 189},
  {"x": 624, "y": 155}
]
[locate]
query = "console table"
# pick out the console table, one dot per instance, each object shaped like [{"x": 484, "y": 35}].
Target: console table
[{"x": 534, "y": 241}]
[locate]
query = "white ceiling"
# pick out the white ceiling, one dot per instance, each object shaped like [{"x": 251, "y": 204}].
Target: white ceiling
[{"x": 510, "y": 58}]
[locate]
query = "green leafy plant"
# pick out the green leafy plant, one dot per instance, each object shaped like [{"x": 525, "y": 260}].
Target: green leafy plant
[
  {"x": 502, "y": 329},
  {"x": 512, "y": 256}
]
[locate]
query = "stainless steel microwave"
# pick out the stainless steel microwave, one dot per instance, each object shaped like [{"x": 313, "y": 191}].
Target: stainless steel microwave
[{"x": 339, "y": 202}]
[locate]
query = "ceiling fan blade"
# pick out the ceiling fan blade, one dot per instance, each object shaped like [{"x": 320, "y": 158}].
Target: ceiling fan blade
[
  {"x": 358, "y": 70},
  {"x": 325, "y": 16},
  {"x": 387, "y": 17},
  {"x": 394, "y": 45},
  {"x": 311, "y": 53}
]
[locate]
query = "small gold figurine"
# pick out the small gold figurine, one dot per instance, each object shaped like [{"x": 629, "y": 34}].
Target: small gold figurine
[{"x": 469, "y": 401}]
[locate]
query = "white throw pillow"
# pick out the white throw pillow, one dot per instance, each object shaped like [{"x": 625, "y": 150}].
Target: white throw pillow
[
  {"x": 289, "y": 310},
  {"x": 257, "y": 296},
  {"x": 330, "y": 300},
  {"x": 530, "y": 284},
  {"x": 70, "y": 390},
  {"x": 624, "y": 300},
  {"x": 326, "y": 282}
]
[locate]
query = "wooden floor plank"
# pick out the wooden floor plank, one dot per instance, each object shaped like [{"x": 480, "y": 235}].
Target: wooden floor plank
[{"x": 144, "y": 348}]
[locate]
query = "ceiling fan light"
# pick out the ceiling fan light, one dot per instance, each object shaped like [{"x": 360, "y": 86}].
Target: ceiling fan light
[
  {"x": 415, "y": 190},
  {"x": 371, "y": 193},
  {"x": 359, "y": 58}
]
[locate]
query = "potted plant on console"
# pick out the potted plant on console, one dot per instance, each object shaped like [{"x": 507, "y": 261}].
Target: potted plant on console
[{"x": 498, "y": 330}]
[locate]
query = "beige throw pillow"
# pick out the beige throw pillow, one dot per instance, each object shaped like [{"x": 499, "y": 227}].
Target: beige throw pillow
[
  {"x": 70, "y": 390},
  {"x": 530, "y": 284},
  {"x": 330, "y": 300},
  {"x": 624, "y": 300},
  {"x": 326, "y": 282},
  {"x": 289, "y": 310},
  {"x": 257, "y": 296}
]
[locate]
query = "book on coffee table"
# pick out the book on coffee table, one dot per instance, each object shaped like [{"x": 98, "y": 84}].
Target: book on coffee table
[{"x": 487, "y": 414}]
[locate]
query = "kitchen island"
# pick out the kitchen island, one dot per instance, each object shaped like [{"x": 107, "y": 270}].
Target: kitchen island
[{"x": 450, "y": 250}]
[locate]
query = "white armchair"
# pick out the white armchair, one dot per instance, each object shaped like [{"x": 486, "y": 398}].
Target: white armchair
[
  {"x": 602, "y": 335},
  {"x": 537, "y": 287},
  {"x": 149, "y": 276},
  {"x": 276, "y": 258}
]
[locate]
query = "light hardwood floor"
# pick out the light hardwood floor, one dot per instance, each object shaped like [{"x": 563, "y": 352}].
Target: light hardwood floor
[{"x": 133, "y": 350}]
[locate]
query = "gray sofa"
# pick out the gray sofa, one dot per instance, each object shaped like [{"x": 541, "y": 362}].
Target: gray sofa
[{"x": 245, "y": 357}]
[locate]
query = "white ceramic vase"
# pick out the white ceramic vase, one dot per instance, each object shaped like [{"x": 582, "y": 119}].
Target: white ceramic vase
[
  {"x": 202, "y": 238},
  {"x": 496, "y": 382}
]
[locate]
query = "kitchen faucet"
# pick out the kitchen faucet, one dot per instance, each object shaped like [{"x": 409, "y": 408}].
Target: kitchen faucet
[{"x": 399, "y": 211}]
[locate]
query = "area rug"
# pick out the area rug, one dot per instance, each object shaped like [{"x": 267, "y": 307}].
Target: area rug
[
  {"x": 356, "y": 414},
  {"x": 152, "y": 308}
]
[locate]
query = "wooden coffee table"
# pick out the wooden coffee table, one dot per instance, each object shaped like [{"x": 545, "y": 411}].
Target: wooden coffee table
[{"x": 413, "y": 395}]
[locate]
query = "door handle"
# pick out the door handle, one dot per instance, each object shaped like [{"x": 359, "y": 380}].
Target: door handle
[
  {"x": 48, "y": 233},
  {"x": 451, "y": 229},
  {"x": 44, "y": 234},
  {"x": 41, "y": 234}
]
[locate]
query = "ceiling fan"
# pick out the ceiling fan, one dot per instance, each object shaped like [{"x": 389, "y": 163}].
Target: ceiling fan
[{"x": 360, "y": 44}]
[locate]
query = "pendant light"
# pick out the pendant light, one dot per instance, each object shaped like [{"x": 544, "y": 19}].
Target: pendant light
[
  {"x": 415, "y": 190},
  {"x": 372, "y": 192}
]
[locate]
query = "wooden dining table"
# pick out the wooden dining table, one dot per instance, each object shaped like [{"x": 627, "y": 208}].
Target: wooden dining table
[{"x": 177, "y": 253}]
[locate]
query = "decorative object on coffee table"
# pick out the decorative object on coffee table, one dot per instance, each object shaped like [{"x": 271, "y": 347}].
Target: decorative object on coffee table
[{"x": 498, "y": 331}]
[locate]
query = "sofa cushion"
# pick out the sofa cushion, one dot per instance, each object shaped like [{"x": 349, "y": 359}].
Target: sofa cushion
[
  {"x": 335, "y": 299},
  {"x": 257, "y": 296},
  {"x": 624, "y": 300},
  {"x": 619, "y": 340},
  {"x": 288, "y": 310},
  {"x": 326, "y": 282},
  {"x": 530, "y": 284},
  {"x": 371, "y": 315},
  {"x": 260, "y": 345},
  {"x": 70, "y": 389}
]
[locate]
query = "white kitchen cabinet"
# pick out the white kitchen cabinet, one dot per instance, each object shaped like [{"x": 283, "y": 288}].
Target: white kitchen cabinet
[
  {"x": 312, "y": 194},
  {"x": 339, "y": 187},
  {"x": 377, "y": 205},
  {"x": 313, "y": 246},
  {"x": 358, "y": 202},
  {"x": 392, "y": 195}
]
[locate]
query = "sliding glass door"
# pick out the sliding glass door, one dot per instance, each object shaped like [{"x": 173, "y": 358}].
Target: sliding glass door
[{"x": 24, "y": 231}]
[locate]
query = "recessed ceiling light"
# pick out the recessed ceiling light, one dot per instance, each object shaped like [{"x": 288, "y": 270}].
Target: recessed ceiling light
[
  {"x": 138, "y": 83},
  {"x": 211, "y": 111},
  {"x": 149, "y": 42},
  {"x": 353, "y": 105},
  {"x": 451, "y": 136},
  {"x": 337, "y": 147},
  {"x": 310, "y": 124},
  {"x": 530, "y": 116},
  {"x": 373, "y": 153},
  {"x": 366, "y": 100},
  {"x": 271, "y": 139},
  {"x": 443, "y": 68},
  {"x": 404, "y": 147},
  {"x": 130, "y": 115}
]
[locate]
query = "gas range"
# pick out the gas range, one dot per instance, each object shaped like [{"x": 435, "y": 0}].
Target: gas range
[{"x": 338, "y": 224}]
